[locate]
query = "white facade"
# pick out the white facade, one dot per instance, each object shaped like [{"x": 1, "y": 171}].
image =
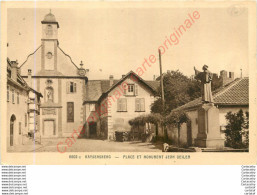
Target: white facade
[{"x": 60, "y": 81}]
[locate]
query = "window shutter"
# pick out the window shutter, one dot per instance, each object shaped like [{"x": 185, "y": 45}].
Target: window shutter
[
  {"x": 121, "y": 105},
  {"x": 142, "y": 104},
  {"x": 8, "y": 93},
  {"x": 12, "y": 96},
  {"x": 75, "y": 88},
  {"x": 118, "y": 105},
  {"x": 137, "y": 104},
  {"x": 136, "y": 89},
  {"x": 67, "y": 87},
  {"x": 125, "y": 104}
]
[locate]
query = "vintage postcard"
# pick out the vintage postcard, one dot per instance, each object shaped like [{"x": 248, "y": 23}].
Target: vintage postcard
[{"x": 128, "y": 82}]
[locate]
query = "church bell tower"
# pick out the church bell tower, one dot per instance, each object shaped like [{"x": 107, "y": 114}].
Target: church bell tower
[{"x": 49, "y": 42}]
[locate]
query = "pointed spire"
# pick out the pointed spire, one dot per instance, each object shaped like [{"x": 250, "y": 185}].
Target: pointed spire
[{"x": 81, "y": 64}]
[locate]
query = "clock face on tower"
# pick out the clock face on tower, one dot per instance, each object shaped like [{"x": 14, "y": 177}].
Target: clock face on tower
[{"x": 49, "y": 55}]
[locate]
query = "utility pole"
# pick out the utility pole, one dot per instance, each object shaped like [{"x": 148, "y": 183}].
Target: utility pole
[
  {"x": 241, "y": 73},
  {"x": 162, "y": 90},
  {"x": 163, "y": 100}
]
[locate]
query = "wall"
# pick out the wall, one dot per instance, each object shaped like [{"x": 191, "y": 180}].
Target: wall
[
  {"x": 59, "y": 107},
  {"x": 118, "y": 121},
  {"x": 19, "y": 110},
  {"x": 77, "y": 98},
  {"x": 224, "y": 111},
  {"x": 193, "y": 115}
]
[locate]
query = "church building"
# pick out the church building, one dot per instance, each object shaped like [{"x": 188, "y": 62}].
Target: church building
[{"x": 59, "y": 80}]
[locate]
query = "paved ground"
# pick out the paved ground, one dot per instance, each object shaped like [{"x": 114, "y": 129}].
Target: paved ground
[{"x": 89, "y": 145}]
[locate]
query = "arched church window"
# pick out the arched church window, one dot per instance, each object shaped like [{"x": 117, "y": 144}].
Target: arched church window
[{"x": 49, "y": 30}]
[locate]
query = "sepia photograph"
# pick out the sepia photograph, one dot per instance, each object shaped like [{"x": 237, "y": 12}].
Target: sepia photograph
[{"x": 110, "y": 81}]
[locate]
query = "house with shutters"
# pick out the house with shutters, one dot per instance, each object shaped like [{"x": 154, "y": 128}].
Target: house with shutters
[
  {"x": 23, "y": 104},
  {"x": 59, "y": 80},
  {"x": 110, "y": 104}
]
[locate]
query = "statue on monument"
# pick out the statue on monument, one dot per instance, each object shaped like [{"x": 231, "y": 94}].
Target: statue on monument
[{"x": 205, "y": 77}]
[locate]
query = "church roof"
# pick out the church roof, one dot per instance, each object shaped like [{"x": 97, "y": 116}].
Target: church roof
[
  {"x": 50, "y": 18},
  {"x": 235, "y": 93}
]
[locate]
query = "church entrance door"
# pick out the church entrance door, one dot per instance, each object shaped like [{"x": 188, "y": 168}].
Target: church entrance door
[{"x": 49, "y": 128}]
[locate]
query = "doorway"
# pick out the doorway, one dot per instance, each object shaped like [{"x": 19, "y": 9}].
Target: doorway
[
  {"x": 49, "y": 128},
  {"x": 12, "y": 126},
  {"x": 92, "y": 129}
]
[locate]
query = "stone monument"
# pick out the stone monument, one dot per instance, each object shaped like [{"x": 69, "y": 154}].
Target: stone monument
[{"x": 208, "y": 115}]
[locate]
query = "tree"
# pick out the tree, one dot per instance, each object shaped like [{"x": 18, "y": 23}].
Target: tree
[
  {"x": 178, "y": 90},
  {"x": 176, "y": 119},
  {"x": 236, "y": 127}
]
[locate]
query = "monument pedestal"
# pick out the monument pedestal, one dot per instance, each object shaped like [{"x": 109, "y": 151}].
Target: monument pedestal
[{"x": 208, "y": 127}]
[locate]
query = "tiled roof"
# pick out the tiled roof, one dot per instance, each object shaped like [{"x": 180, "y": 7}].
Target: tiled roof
[
  {"x": 95, "y": 88},
  {"x": 154, "y": 84},
  {"x": 235, "y": 93}
]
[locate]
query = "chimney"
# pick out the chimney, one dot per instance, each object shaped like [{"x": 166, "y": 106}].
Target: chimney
[
  {"x": 231, "y": 75},
  {"x": 155, "y": 76},
  {"x": 215, "y": 75},
  {"x": 14, "y": 72},
  {"x": 29, "y": 78},
  {"x": 111, "y": 80},
  {"x": 223, "y": 74}
]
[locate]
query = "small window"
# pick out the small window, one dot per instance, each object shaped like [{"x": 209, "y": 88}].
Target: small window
[
  {"x": 18, "y": 98},
  {"x": 140, "y": 105},
  {"x": 71, "y": 87},
  {"x": 130, "y": 89},
  {"x": 19, "y": 128},
  {"x": 9, "y": 73},
  {"x": 122, "y": 105},
  {"x": 13, "y": 96},
  {"x": 26, "y": 120},
  {"x": 92, "y": 107},
  {"x": 8, "y": 93}
]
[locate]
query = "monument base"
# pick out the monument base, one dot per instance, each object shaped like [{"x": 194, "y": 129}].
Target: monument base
[
  {"x": 210, "y": 143},
  {"x": 208, "y": 127}
]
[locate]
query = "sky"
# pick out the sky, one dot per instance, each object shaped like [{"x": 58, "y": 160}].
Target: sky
[{"x": 114, "y": 41}]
